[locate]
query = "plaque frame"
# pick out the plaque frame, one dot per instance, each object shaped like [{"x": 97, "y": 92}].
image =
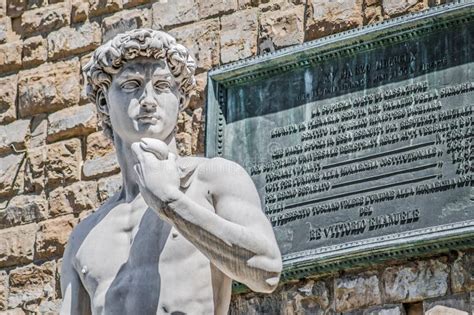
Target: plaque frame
[{"x": 414, "y": 243}]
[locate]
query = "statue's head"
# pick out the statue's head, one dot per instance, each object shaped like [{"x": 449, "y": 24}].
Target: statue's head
[{"x": 140, "y": 80}]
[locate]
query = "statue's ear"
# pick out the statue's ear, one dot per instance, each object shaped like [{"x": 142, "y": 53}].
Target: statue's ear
[{"x": 101, "y": 102}]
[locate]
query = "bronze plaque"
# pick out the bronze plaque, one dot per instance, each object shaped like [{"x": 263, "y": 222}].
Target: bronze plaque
[{"x": 360, "y": 144}]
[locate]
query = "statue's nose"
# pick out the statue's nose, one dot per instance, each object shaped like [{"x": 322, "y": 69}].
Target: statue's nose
[{"x": 147, "y": 100}]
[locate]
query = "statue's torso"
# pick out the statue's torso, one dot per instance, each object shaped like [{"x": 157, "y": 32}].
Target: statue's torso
[{"x": 132, "y": 262}]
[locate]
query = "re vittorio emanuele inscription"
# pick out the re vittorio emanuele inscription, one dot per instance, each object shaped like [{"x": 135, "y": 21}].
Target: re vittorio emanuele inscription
[{"x": 363, "y": 145}]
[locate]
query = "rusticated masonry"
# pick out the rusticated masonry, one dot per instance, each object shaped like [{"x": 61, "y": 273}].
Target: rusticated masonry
[{"x": 56, "y": 166}]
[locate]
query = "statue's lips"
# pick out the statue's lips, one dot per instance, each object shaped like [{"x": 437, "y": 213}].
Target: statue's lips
[{"x": 148, "y": 119}]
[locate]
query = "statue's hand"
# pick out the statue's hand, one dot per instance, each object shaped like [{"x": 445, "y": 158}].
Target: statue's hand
[{"x": 157, "y": 171}]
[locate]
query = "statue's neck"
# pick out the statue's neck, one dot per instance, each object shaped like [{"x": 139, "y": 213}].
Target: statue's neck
[{"x": 126, "y": 160}]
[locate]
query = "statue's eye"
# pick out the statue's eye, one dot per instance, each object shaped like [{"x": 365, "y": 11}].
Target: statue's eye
[
  {"x": 162, "y": 85},
  {"x": 130, "y": 85}
]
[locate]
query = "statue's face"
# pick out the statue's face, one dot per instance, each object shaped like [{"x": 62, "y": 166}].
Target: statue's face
[{"x": 143, "y": 100}]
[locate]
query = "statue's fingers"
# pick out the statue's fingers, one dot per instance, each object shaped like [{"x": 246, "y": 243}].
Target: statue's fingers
[
  {"x": 155, "y": 146},
  {"x": 137, "y": 152}
]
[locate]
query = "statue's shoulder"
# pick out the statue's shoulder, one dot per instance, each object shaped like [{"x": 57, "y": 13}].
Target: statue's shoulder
[{"x": 218, "y": 171}]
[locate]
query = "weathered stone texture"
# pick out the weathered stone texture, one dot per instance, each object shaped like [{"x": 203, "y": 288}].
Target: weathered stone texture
[
  {"x": 170, "y": 13},
  {"x": 109, "y": 186},
  {"x": 198, "y": 98},
  {"x": 462, "y": 273},
  {"x": 202, "y": 39},
  {"x": 34, "y": 51},
  {"x": 283, "y": 28},
  {"x": 394, "y": 8},
  {"x": 64, "y": 163},
  {"x": 14, "y": 134},
  {"x": 39, "y": 130},
  {"x": 210, "y": 8},
  {"x": 67, "y": 41},
  {"x": 357, "y": 291},
  {"x": 443, "y": 310},
  {"x": 14, "y": 8},
  {"x": 24, "y": 209},
  {"x": 79, "y": 10},
  {"x": 10, "y": 56},
  {"x": 101, "y": 166},
  {"x": 43, "y": 20},
  {"x": 5, "y": 28},
  {"x": 73, "y": 121},
  {"x": 3, "y": 290},
  {"x": 9, "y": 174},
  {"x": 329, "y": 17},
  {"x": 75, "y": 198},
  {"x": 125, "y": 21},
  {"x": 99, "y": 7},
  {"x": 98, "y": 145},
  {"x": 455, "y": 303},
  {"x": 238, "y": 36},
  {"x": 35, "y": 169},
  {"x": 52, "y": 236},
  {"x": 8, "y": 92},
  {"x": 17, "y": 245},
  {"x": 416, "y": 281},
  {"x": 49, "y": 87},
  {"x": 32, "y": 283}
]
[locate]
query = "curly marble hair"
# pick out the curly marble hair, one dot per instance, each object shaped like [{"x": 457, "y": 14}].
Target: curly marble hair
[{"x": 109, "y": 58}]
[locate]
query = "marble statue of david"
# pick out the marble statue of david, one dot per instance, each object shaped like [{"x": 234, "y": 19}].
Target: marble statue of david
[{"x": 181, "y": 228}]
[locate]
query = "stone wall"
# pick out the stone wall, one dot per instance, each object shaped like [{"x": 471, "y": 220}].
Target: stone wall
[{"x": 56, "y": 166}]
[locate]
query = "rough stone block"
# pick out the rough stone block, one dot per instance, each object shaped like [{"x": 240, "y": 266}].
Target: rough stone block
[
  {"x": 197, "y": 145},
  {"x": 39, "y": 131},
  {"x": 35, "y": 169},
  {"x": 238, "y": 35},
  {"x": 462, "y": 273},
  {"x": 198, "y": 98},
  {"x": 5, "y": 28},
  {"x": 43, "y": 20},
  {"x": 10, "y": 56},
  {"x": 329, "y": 17},
  {"x": 281, "y": 28},
  {"x": 79, "y": 10},
  {"x": 354, "y": 292},
  {"x": 34, "y": 51},
  {"x": 34, "y": 4},
  {"x": 72, "y": 121},
  {"x": 14, "y": 8},
  {"x": 373, "y": 14},
  {"x": 52, "y": 236},
  {"x": 8, "y": 92},
  {"x": 416, "y": 281},
  {"x": 101, "y": 166},
  {"x": 64, "y": 163},
  {"x": 3, "y": 290},
  {"x": 14, "y": 134},
  {"x": 68, "y": 41},
  {"x": 10, "y": 175},
  {"x": 78, "y": 197},
  {"x": 210, "y": 8},
  {"x": 49, "y": 306},
  {"x": 125, "y": 21},
  {"x": 170, "y": 13},
  {"x": 99, "y": 7},
  {"x": 312, "y": 297},
  {"x": 184, "y": 143},
  {"x": 202, "y": 39},
  {"x": 109, "y": 186},
  {"x": 458, "y": 304},
  {"x": 24, "y": 209},
  {"x": 394, "y": 8},
  {"x": 15, "y": 311},
  {"x": 98, "y": 145},
  {"x": 49, "y": 87},
  {"x": 17, "y": 245},
  {"x": 32, "y": 283}
]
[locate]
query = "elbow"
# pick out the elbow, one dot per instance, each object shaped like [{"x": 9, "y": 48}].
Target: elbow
[{"x": 268, "y": 276}]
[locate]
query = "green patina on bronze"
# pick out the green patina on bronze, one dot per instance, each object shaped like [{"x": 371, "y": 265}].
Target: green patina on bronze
[{"x": 383, "y": 118}]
